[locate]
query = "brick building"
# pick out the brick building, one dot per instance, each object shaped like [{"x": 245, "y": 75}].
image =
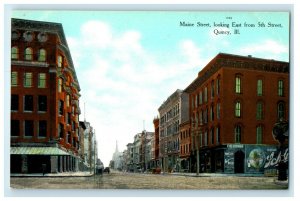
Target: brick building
[
  {"x": 155, "y": 147},
  {"x": 44, "y": 99},
  {"x": 172, "y": 112},
  {"x": 234, "y": 103}
]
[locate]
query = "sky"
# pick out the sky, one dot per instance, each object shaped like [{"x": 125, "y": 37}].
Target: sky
[{"x": 129, "y": 62}]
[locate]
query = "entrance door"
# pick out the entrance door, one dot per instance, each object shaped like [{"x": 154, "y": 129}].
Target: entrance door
[{"x": 239, "y": 157}]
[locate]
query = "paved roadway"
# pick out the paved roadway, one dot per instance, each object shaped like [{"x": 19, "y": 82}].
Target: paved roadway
[{"x": 120, "y": 180}]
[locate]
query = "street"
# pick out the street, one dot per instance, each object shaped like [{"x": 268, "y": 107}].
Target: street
[{"x": 120, "y": 180}]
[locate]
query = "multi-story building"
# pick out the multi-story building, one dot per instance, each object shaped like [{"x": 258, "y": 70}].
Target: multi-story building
[
  {"x": 234, "y": 103},
  {"x": 148, "y": 141},
  {"x": 44, "y": 99},
  {"x": 185, "y": 146},
  {"x": 137, "y": 143},
  {"x": 155, "y": 146},
  {"x": 171, "y": 113},
  {"x": 130, "y": 164}
]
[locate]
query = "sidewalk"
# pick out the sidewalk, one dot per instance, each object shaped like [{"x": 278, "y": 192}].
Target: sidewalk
[{"x": 60, "y": 174}]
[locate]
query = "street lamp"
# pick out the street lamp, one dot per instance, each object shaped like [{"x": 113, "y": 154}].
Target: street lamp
[{"x": 281, "y": 133}]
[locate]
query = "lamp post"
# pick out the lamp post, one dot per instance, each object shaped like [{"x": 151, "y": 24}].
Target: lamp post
[{"x": 281, "y": 133}]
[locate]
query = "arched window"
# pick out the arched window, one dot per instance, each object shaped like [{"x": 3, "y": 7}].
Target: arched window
[
  {"x": 42, "y": 55},
  {"x": 238, "y": 84},
  {"x": 259, "y": 111},
  {"x": 14, "y": 52},
  {"x": 238, "y": 109},
  {"x": 28, "y": 54},
  {"x": 280, "y": 110},
  {"x": 238, "y": 133},
  {"x": 259, "y": 87}
]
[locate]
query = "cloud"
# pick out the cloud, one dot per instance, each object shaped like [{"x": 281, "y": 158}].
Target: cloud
[
  {"x": 123, "y": 83},
  {"x": 268, "y": 48}
]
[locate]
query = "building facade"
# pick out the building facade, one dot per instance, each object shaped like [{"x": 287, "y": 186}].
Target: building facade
[
  {"x": 155, "y": 146},
  {"x": 234, "y": 103},
  {"x": 171, "y": 113},
  {"x": 44, "y": 99}
]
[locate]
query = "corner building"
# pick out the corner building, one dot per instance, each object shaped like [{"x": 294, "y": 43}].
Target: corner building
[
  {"x": 234, "y": 103},
  {"x": 44, "y": 100}
]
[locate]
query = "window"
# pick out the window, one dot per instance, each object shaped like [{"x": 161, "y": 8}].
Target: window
[
  {"x": 280, "y": 88},
  {"x": 28, "y": 124},
  {"x": 205, "y": 138},
  {"x": 212, "y": 114},
  {"x": 212, "y": 136},
  {"x": 14, "y": 78},
  {"x": 218, "y": 134},
  {"x": 27, "y": 79},
  {"x": 14, "y": 53},
  {"x": 238, "y": 84},
  {"x": 218, "y": 110},
  {"x": 259, "y": 87},
  {"x": 61, "y": 130},
  {"x": 42, "y": 55},
  {"x": 14, "y": 128},
  {"x": 59, "y": 61},
  {"x": 212, "y": 92},
  {"x": 42, "y": 128},
  {"x": 42, "y": 103},
  {"x": 201, "y": 140},
  {"x": 42, "y": 80},
  {"x": 200, "y": 97},
  {"x": 238, "y": 134},
  {"x": 259, "y": 111},
  {"x": 28, "y": 54},
  {"x": 59, "y": 85},
  {"x": 14, "y": 102},
  {"x": 280, "y": 110},
  {"x": 201, "y": 117},
  {"x": 68, "y": 100},
  {"x": 28, "y": 103},
  {"x": 237, "y": 109},
  {"x": 259, "y": 134},
  {"x": 205, "y": 94},
  {"x": 61, "y": 107},
  {"x": 218, "y": 86}
]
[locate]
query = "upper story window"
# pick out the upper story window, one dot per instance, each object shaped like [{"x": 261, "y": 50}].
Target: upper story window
[
  {"x": 238, "y": 133},
  {"x": 259, "y": 111},
  {"x": 14, "y": 52},
  {"x": 59, "y": 85},
  {"x": 42, "y": 128},
  {"x": 218, "y": 138},
  {"x": 238, "y": 84},
  {"x": 218, "y": 110},
  {"x": 212, "y": 91},
  {"x": 218, "y": 85},
  {"x": 27, "y": 79},
  {"x": 14, "y": 102},
  {"x": 280, "y": 110},
  {"x": 14, "y": 128},
  {"x": 42, "y": 55},
  {"x": 212, "y": 113},
  {"x": 200, "y": 97},
  {"x": 212, "y": 136},
  {"x": 238, "y": 109},
  {"x": 42, "y": 80},
  {"x": 205, "y": 94},
  {"x": 42, "y": 103},
  {"x": 28, "y": 128},
  {"x": 68, "y": 100},
  {"x": 259, "y": 87},
  {"x": 280, "y": 88},
  {"x": 28, "y": 54},
  {"x": 28, "y": 103},
  {"x": 59, "y": 61},
  {"x": 259, "y": 134},
  {"x": 14, "y": 78}
]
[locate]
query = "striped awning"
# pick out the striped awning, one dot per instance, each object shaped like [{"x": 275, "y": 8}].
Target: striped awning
[{"x": 37, "y": 151}]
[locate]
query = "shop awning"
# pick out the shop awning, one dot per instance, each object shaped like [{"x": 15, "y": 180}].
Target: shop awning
[{"x": 37, "y": 151}]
